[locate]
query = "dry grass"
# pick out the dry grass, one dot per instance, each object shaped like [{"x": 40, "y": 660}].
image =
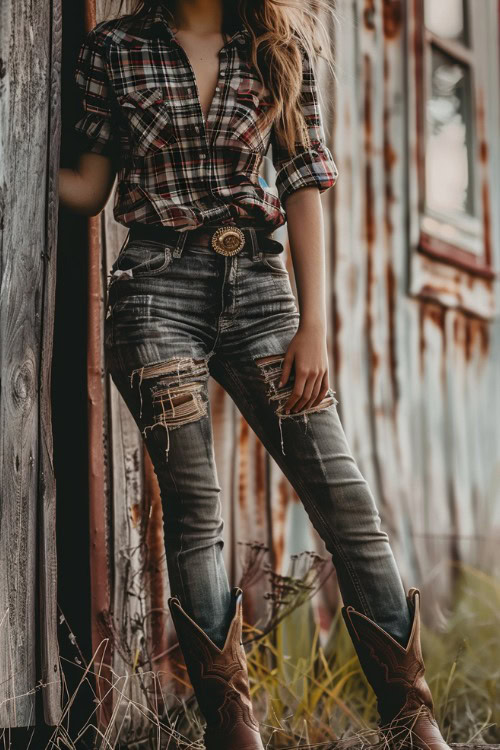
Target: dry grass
[{"x": 311, "y": 693}]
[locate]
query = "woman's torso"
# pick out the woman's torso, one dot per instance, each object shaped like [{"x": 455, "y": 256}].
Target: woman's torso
[{"x": 174, "y": 167}]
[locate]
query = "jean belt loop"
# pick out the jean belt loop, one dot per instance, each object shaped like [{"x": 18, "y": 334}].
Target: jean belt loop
[
  {"x": 179, "y": 245},
  {"x": 255, "y": 243}
]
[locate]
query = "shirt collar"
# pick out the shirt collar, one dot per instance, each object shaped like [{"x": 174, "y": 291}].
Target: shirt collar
[{"x": 156, "y": 23}]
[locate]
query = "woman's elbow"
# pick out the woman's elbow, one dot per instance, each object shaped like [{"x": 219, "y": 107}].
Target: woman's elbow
[{"x": 85, "y": 191}]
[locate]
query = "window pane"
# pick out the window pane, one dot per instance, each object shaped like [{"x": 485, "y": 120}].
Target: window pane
[
  {"x": 447, "y": 19},
  {"x": 448, "y": 158}
]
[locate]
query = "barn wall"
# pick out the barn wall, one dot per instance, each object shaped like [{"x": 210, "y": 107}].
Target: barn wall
[
  {"x": 29, "y": 140},
  {"x": 416, "y": 378}
]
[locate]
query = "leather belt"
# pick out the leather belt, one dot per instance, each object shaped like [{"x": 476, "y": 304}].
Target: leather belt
[{"x": 227, "y": 239}]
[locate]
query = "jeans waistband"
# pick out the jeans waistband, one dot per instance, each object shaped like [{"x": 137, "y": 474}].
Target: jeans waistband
[{"x": 256, "y": 239}]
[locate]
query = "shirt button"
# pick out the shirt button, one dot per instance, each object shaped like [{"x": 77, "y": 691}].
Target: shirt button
[
  {"x": 203, "y": 156},
  {"x": 217, "y": 88}
]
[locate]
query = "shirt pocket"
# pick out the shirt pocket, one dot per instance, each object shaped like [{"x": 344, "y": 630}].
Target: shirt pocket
[
  {"x": 250, "y": 105},
  {"x": 148, "y": 118}
]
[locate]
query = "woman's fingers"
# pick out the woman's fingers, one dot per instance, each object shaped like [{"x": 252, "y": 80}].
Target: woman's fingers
[
  {"x": 302, "y": 390},
  {"x": 323, "y": 389},
  {"x": 287, "y": 367},
  {"x": 315, "y": 393},
  {"x": 297, "y": 390},
  {"x": 309, "y": 390}
]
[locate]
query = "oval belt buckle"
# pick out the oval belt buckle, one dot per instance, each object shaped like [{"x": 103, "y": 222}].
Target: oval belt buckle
[{"x": 228, "y": 240}]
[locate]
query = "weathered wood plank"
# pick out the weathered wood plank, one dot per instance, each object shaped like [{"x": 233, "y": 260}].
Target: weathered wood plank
[
  {"x": 50, "y": 666},
  {"x": 24, "y": 99}
]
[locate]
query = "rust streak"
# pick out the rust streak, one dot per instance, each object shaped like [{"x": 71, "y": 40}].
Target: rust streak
[
  {"x": 485, "y": 191},
  {"x": 244, "y": 465},
  {"x": 369, "y": 14},
  {"x": 469, "y": 339},
  {"x": 391, "y": 315},
  {"x": 476, "y": 330},
  {"x": 260, "y": 485},
  {"x": 392, "y": 18},
  {"x": 434, "y": 290},
  {"x": 467, "y": 331},
  {"x": 370, "y": 228},
  {"x": 487, "y": 223},
  {"x": 437, "y": 314},
  {"x": 484, "y": 337},
  {"x": 421, "y": 336},
  {"x": 279, "y": 539},
  {"x": 390, "y": 159}
]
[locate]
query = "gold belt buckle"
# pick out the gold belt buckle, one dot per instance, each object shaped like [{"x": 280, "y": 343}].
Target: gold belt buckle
[{"x": 228, "y": 240}]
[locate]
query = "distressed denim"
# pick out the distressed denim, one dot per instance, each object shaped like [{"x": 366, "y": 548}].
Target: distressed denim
[{"x": 179, "y": 314}]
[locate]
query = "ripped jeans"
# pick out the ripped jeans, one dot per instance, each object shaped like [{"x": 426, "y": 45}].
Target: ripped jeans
[{"x": 180, "y": 314}]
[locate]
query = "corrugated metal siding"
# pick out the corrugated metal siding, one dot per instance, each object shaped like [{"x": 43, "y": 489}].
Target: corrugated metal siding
[{"x": 416, "y": 380}]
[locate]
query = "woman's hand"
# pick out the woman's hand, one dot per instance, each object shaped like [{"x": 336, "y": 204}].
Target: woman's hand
[{"x": 307, "y": 353}]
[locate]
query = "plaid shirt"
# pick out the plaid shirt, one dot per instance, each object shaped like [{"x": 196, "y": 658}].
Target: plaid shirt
[{"x": 141, "y": 107}]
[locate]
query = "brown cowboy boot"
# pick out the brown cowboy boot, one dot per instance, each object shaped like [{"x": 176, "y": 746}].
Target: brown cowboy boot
[
  {"x": 220, "y": 680},
  {"x": 396, "y": 675}
]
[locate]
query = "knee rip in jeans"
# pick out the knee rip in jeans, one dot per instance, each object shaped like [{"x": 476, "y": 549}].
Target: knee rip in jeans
[
  {"x": 271, "y": 368},
  {"x": 177, "y": 396}
]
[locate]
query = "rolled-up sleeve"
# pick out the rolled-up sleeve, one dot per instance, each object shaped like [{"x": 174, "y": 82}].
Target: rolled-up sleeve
[
  {"x": 95, "y": 126},
  {"x": 312, "y": 166}
]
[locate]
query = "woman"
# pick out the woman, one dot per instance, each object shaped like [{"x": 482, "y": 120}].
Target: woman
[{"x": 182, "y": 100}]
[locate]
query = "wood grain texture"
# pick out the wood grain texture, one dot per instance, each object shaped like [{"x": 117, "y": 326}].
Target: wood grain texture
[
  {"x": 28, "y": 93},
  {"x": 50, "y": 666}
]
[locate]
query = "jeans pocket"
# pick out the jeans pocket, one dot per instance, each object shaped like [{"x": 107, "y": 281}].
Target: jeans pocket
[
  {"x": 275, "y": 263},
  {"x": 142, "y": 258}
]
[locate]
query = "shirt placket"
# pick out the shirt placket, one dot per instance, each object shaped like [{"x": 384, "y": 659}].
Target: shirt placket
[{"x": 207, "y": 165}]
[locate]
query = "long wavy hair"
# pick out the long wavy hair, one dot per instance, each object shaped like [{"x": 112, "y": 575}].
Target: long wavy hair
[{"x": 278, "y": 28}]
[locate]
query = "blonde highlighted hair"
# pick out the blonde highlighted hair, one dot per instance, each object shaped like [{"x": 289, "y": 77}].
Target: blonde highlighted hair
[{"x": 279, "y": 29}]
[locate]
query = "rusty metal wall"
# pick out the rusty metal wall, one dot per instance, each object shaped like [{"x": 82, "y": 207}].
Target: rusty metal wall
[{"x": 416, "y": 379}]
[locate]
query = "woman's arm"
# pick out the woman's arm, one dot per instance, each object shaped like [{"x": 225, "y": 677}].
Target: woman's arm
[
  {"x": 87, "y": 188},
  {"x": 300, "y": 179},
  {"x": 307, "y": 351}
]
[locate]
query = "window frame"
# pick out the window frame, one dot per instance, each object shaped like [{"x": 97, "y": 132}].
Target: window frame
[{"x": 474, "y": 272}]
